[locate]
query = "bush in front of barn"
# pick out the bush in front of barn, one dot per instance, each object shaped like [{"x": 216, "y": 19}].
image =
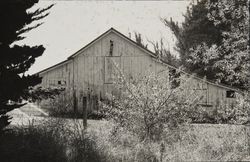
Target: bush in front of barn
[
  {"x": 60, "y": 106},
  {"x": 148, "y": 106},
  {"x": 236, "y": 113},
  {"x": 63, "y": 106}
]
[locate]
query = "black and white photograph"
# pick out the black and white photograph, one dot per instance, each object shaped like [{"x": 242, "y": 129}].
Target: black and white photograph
[{"x": 124, "y": 80}]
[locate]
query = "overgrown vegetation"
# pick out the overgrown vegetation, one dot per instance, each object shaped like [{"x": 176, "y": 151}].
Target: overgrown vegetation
[
  {"x": 67, "y": 140},
  {"x": 33, "y": 143},
  {"x": 52, "y": 140},
  {"x": 60, "y": 139},
  {"x": 146, "y": 106},
  {"x": 151, "y": 122},
  {"x": 63, "y": 106},
  {"x": 235, "y": 113}
]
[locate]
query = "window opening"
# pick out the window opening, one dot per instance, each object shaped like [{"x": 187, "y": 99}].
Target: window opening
[{"x": 230, "y": 94}]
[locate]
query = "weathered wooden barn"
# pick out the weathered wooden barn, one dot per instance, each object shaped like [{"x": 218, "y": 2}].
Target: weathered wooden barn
[{"x": 89, "y": 70}]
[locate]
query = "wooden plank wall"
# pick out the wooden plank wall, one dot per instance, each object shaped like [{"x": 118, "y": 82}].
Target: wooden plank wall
[{"x": 61, "y": 73}]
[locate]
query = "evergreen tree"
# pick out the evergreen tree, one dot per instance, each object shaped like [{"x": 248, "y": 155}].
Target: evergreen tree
[
  {"x": 213, "y": 41},
  {"x": 228, "y": 62},
  {"x": 15, "y": 60},
  {"x": 195, "y": 29}
]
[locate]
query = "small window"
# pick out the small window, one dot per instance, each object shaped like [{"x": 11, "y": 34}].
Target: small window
[
  {"x": 59, "y": 82},
  {"x": 111, "y": 48},
  {"x": 230, "y": 94}
]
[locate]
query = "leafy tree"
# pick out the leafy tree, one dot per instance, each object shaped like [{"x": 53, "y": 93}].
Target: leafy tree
[
  {"x": 15, "y": 60},
  {"x": 213, "y": 40},
  {"x": 195, "y": 29},
  {"x": 228, "y": 62}
]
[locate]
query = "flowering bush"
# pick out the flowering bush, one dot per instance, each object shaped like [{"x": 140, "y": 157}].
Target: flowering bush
[{"x": 148, "y": 105}]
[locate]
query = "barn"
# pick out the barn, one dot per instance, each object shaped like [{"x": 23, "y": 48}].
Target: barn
[{"x": 89, "y": 70}]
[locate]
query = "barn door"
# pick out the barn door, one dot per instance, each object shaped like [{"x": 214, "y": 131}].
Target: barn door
[
  {"x": 110, "y": 68},
  {"x": 202, "y": 90}
]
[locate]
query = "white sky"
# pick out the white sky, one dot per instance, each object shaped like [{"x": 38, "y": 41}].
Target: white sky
[{"x": 73, "y": 24}]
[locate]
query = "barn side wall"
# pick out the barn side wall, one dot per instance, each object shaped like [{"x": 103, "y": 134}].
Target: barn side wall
[
  {"x": 211, "y": 94},
  {"x": 61, "y": 75}
]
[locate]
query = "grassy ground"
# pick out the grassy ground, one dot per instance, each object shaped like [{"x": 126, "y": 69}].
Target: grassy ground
[
  {"x": 199, "y": 142},
  {"x": 66, "y": 140}
]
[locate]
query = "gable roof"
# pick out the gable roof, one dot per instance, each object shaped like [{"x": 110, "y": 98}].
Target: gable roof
[
  {"x": 117, "y": 33},
  {"x": 92, "y": 42},
  {"x": 53, "y": 67},
  {"x": 70, "y": 58}
]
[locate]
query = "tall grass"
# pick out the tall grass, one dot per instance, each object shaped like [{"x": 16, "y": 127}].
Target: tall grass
[
  {"x": 67, "y": 140},
  {"x": 32, "y": 143}
]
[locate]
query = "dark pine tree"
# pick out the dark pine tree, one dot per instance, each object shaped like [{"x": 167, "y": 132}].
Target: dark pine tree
[
  {"x": 15, "y": 60},
  {"x": 195, "y": 29}
]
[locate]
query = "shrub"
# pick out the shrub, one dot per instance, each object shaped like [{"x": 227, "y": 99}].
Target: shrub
[
  {"x": 39, "y": 93},
  {"x": 32, "y": 144},
  {"x": 55, "y": 139},
  {"x": 60, "y": 106},
  {"x": 236, "y": 113},
  {"x": 63, "y": 106},
  {"x": 82, "y": 144},
  {"x": 148, "y": 105}
]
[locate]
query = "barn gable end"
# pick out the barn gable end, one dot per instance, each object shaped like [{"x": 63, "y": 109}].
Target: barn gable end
[{"x": 90, "y": 70}]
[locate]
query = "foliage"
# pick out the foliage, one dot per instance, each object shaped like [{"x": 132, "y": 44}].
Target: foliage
[
  {"x": 146, "y": 106},
  {"x": 235, "y": 113},
  {"x": 210, "y": 142},
  {"x": 226, "y": 59},
  {"x": 58, "y": 103},
  {"x": 198, "y": 142},
  {"x": 60, "y": 106},
  {"x": 40, "y": 93},
  {"x": 83, "y": 146},
  {"x": 139, "y": 40},
  {"x": 67, "y": 140},
  {"x": 195, "y": 29},
  {"x": 163, "y": 53},
  {"x": 230, "y": 60},
  {"x": 34, "y": 143},
  {"x": 53, "y": 139},
  {"x": 160, "y": 50},
  {"x": 15, "y": 59}
]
